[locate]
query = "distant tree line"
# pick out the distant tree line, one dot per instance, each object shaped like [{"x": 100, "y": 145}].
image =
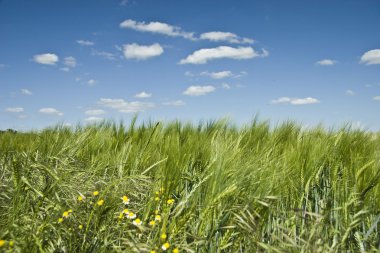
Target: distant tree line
[{"x": 12, "y": 131}]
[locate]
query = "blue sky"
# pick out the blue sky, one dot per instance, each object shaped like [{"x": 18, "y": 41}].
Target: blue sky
[{"x": 83, "y": 61}]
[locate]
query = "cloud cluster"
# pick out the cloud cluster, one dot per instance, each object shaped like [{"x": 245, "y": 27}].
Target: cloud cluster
[
  {"x": 371, "y": 57},
  {"x": 143, "y": 95},
  {"x": 142, "y": 52},
  {"x": 205, "y": 55},
  {"x": 326, "y": 62},
  {"x": 295, "y": 101},
  {"x": 26, "y": 92},
  {"x": 197, "y": 90},
  {"x": 14, "y": 109},
  {"x": 85, "y": 42},
  {"x": 218, "y": 36},
  {"x": 217, "y": 75},
  {"x": 50, "y": 111},
  {"x": 46, "y": 59},
  {"x": 125, "y": 107}
]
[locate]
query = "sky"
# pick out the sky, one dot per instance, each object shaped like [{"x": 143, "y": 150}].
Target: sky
[{"x": 80, "y": 62}]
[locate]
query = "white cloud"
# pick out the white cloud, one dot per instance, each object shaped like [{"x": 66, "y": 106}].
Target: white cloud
[
  {"x": 93, "y": 119},
  {"x": 226, "y": 86},
  {"x": 91, "y": 82},
  {"x": 225, "y": 36},
  {"x": 326, "y": 62},
  {"x": 204, "y": 55},
  {"x": 377, "y": 98},
  {"x": 26, "y": 92},
  {"x": 123, "y": 106},
  {"x": 47, "y": 59},
  {"x": 174, "y": 103},
  {"x": 157, "y": 27},
  {"x": 198, "y": 90},
  {"x": 142, "y": 52},
  {"x": 85, "y": 43},
  {"x": 371, "y": 57},
  {"x": 123, "y": 2},
  {"x": 70, "y": 62},
  {"x": 143, "y": 95},
  {"x": 350, "y": 92},
  {"x": 2, "y": 66},
  {"x": 189, "y": 73},
  {"x": 66, "y": 69},
  {"x": 295, "y": 101},
  {"x": 217, "y": 75},
  {"x": 106, "y": 55},
  {"x": 95, "y": 112},
  {"x": 50, "y": 111},
  {"x": 14, "y": 109}
]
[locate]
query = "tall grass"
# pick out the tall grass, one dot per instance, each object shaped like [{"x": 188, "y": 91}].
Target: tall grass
[{"x": 247, "y": 189}]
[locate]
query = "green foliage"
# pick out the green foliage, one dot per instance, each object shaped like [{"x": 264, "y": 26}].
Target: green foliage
[{"x": 249, "y": 189}]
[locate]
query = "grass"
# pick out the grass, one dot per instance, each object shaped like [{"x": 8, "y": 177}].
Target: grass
[{"x": 247, "y": 189}]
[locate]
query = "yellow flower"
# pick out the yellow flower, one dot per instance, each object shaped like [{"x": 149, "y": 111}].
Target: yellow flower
[
  {"x": 137, "y": 222},
  {"x": 70, "y": 211},
  {"x": 165, "y": 246},
  {"x": 163, "y": 236},
  {"x": 100, "y": 202},
  {"x": 176, "y": 250},
  {"x": 152, "y": 251},
  {"x": 170, "y": 201},
  {"x": 2, "y": 243},
  {"x": 125, "y": 200},
  {"x": 11, "y": 243},
  {"x": 157, "y": 193},
  {"x": 121, "y": 215},
  {"x": 131, "y": 215},
  {"x": 157, "y": 198},
  {"x": 152, "y": 222},
  {"x": 60, "y": 220},
  {"x": 80, "y": 198},
  {"x": 158, "y": 217},
  {"x": 65, "y": 214},
  {"x": 95, "y": 193},
  {"x": 126, "y": 211},
  {"x": 80, "y": 226}
]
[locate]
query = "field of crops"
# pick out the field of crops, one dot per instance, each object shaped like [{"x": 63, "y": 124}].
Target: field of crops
[{"x": 180, "y": 187}]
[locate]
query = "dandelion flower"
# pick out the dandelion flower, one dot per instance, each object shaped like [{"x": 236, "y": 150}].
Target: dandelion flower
[
  {"x": 11, "y": 243},
  {"x": 2, "y": 243},
  {"x": 170, "y": 201},
  {"x": 176, "y": 250},
  {"x": 126, "y": 211},
  {"x": 80, "y": 198},
  {"x": 70, "y": 211},
  {"x": 152, "y": 223},
  {"x": 95, "y": 193},
  {"x": 157, "y": 193},
  {"x": 158, "y": 217},
  {"x": 60, "y": 220},
  {"x": 65, "y": 214},
  {"x": 121, "y": 215},
  {"x": 152, "y": 251},
  {"x": 131, "y": 215},
  {"x": 165, "y": 246},
  {"x": 100, "y": 202},
  {"x": 163, "y": 236},
  {"x": 137, "y": 222},
  {"x": 125, "y": 200},
  {"x": 157, "y": 198},
  {"x": 80, "y": 226}
]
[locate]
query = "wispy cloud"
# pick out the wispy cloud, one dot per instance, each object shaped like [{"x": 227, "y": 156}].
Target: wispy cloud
[
  {"x": 47, "y": 59},
  {"x": 65, "y": 69},
  {"x": 123, "y": 2},
  {"x": 2, "y": 66},
  {"x": 199, "y": 90},
  {"x": 218, "y": 36},
  {"x": 377, "y": 98},
  {"x": 14, "y": 109},
  {"x": 157, "y": 27},
  {"x": 226, "y": 86},
  {"x": 174, "y": 103},
  {"x": 70, "y": 62},
  {"x": 142, "y": 52},
  {"x": 50, "y": 111},
  {"x": 26, "y": 92},
  {"x": 204, "y": 55},
  {"x": 350, "y": 92},
  {"x": 91, "y": 82},
  {"x": 95, "y": 112},
  {"x": 371, "y": 57},
  {"x": 106, "y": 55},
  {"x": 85, "y": 42},
  {"x": 326, "y": 62},
  {"x": 125, "y": 107},
  {"x": 143, "y": 95},
  {"x": 217, "y": 75},
  {"x": 295, "y": 101},
  {"x": 93, "y": 119}
]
